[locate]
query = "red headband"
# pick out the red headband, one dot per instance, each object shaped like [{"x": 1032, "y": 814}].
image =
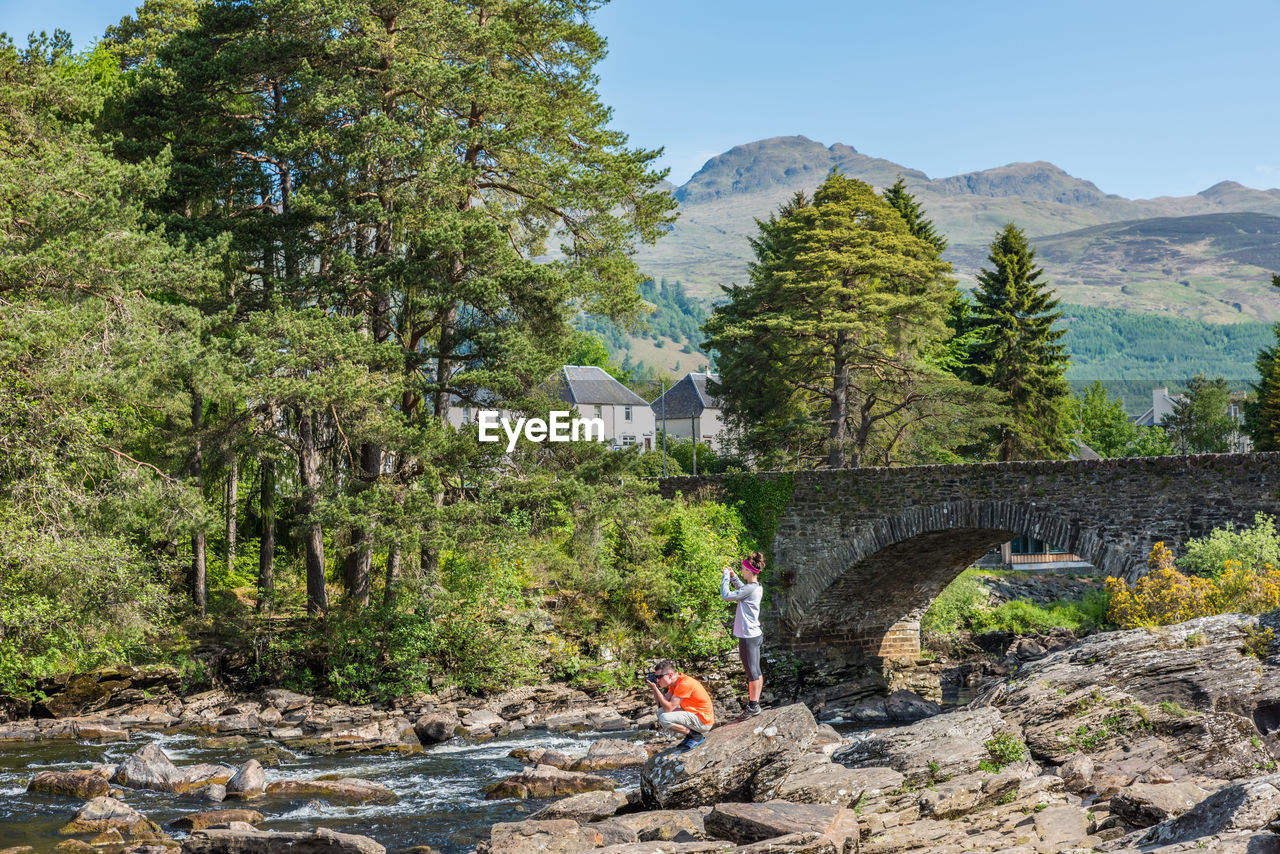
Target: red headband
[{"x": 746, "y": 564}]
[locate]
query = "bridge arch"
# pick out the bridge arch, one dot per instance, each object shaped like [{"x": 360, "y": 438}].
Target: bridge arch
[{"x": 863, "y": 551}]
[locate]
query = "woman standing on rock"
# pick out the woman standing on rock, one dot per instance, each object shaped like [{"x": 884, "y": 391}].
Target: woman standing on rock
[{"x": 747, "y": 592}]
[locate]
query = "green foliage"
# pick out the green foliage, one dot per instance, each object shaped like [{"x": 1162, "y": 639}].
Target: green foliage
[
  {"x": 1254, "y": 549},
  {"x": 963, "y": 605},
  {"x": 1258, "y": 641},
  {"x": 1104, "y": 426},
  {"x": 760, "y": 501},
  {"x": 1004, "y": 749},
  {"x": 823, "y": 356},
  {"x": 1262, "y": 412},
  {"x": 1200, "y": 422},
  {"x": 1019, "y": 351}
]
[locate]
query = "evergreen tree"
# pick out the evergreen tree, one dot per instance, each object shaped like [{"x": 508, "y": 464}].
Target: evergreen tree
[
  {"x": 1262, "y": 412},
  {"x": 822, "y": 353},
  {"x": 1018, "y": 353},
  {"x": 1201, "y": 422},
  {"x": 913, "y": 214}
]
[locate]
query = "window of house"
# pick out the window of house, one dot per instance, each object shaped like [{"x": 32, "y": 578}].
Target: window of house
[
  {"x": 466, "y": 415},
  {"x": 599, "y": 411},
  {"x": 628, "y": 440},
  {"x": 626, "y": 413}
]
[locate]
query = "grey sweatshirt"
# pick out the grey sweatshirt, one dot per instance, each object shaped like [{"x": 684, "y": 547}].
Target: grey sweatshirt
[{"x": 746, "y": 621}]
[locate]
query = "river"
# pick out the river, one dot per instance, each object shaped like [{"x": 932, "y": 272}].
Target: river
[{"x": 440, "y": 790}]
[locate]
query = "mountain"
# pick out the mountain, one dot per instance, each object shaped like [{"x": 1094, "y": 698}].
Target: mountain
[{"x": 708, "y": 246}]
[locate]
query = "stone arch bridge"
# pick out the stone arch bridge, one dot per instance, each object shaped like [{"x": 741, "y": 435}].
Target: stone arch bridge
[{"x": 860, "y": 553}]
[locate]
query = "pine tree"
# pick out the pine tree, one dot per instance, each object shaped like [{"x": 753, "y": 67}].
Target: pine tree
[
  {"x": 913, "y": 214},
  {"x": 1018, "y": 352},
  {"x": 1262, "y": 412},
  {"x": 822, "y": 353}
]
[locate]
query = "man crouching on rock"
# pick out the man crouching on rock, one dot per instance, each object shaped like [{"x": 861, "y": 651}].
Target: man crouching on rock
[{"x": 684, "y": 705}]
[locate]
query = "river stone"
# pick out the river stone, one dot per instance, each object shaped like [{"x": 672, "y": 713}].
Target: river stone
[
  {"x": 147, "y": 768},
  {"x": 1063, "y": 825},
  {"x": 1147, "y": 804},
  {"x": 609, "y": 753},
  {"x": 725, "y": 766},
  {"x": 283, "y": 700},
  {"x": 202, "y": 820},
  {"x": 319, "y": 841},
  {"x": 545, "y": 781},
  {"x": 74, "y": 846},
  {"x": 544, "y": 756},
  {"x": 747, "y": 823},
  {"x": 945, "y": 745},
  {"x": 908, "y": 706},
  {"x": 213, "y": 793},
  {"x": 249, "y": 781},
  {"x": 436, "y": 727},
  {"x": 346, "y": 790},
  {"x": 104, "y": 813},
  {"x": 76, "y": 784},
  {"x": 583, "y": 808}
]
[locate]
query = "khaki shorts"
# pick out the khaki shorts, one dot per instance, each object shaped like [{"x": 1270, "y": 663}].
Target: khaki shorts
[{"x": 685, "y": 719}]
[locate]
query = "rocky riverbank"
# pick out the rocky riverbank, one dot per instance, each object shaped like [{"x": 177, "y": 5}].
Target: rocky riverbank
[{"x": 1145, "y": 740}]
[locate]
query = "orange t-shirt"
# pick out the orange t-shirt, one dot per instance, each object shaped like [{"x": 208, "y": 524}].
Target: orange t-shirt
[{"x": 693, "y": 698}]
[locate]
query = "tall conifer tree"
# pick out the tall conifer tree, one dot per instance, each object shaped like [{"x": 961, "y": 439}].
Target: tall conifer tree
[{"x": 1019, "y": 353}]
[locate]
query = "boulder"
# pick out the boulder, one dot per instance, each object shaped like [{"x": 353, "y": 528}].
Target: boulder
[
  {"x": 610, "y": 753},
  {"x": 1238, "y": 809},
  {"x": 546, "y": 781},
  {"x": 436, "y": 727},
  {"x": 815, "y": 779},
  {"x": 559, "y": 836},
  {"x": 213, "y": 793},
  {"x": 908, "y": 707},
  {"x": 583, "y": 808},
  {"x": 1076, "y": 773},
  {"x": 249, "y": 781},
  {"x": 481, "y": 724},
  {"x": 240, "y": 841},
  {"x": 543, "y": 756},
  {"x": 345, "y": 790},
  {"x": 1063, "y": 826},
  {"x": 725, "y": 766},
  {"x": 945, "y": 745},
  {"x": 75, "y": 784},
  {"x": 191, "y": 777},
  {"x": 667, "y": 825},
  {"x": 105, "y": 813},
  {"x": 147, "y": 768},
  {"x": 1147, "y": 804},
  {"x": 202, "y": 820},
  {"x": 747, "y": 823}
]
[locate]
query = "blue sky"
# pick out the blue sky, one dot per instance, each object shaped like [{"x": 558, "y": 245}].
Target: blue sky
[{"x": 1142, "y": 98}]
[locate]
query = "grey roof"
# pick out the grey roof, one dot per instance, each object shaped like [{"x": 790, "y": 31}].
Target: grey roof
[
  {"x": 687, "y": 398},
  {"x": 585, "y": 385}
]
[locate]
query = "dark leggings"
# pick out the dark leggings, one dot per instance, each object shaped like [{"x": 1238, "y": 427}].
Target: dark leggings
[{"x": 749, "y": 652}]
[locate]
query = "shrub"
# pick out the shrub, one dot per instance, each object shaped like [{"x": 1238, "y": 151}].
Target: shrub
[
  {"x": 1254, "y": 550},
  {"x": 1258, "y": 641},
  {"x": 1004, "y": 750},
  {"x": 963, "y": 606}
]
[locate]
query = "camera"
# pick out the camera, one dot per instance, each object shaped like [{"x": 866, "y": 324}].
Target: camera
[{"x": 651, "y": 677}]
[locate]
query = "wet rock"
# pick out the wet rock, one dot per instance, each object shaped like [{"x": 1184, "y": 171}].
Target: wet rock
[
  {"x": 147, "y": 768},
  {"x": 285, "y": 701},
  {"x": 319, "y": 841},
  {"x": 105, "y": 813},
  {"x": 546, "y": 781},
  {"x": 249, "y": 781},
  {"x": 213, "y": 793},
  {"x": 747, "y": 823},
  {"x": 436, "y": 727},
  {"x": 725, "y": 766},
  {"x": 481, "y": 724},
  {"x": 346, "y": 790},
  {"x": 945, "y": 745},
  {"x": 1147, "y": 804},
  {"x": 908, "y": 707},
  {"x": 583, "y": 808},
  {"x": 18, "y": 849},
  {"x": 74, "y": 846},
  {"x": 203, "y": 820},
  {"x": 543, "y": 756},
  {"x": 75, "y": 784},
  {"x": 609, "y": 753}
]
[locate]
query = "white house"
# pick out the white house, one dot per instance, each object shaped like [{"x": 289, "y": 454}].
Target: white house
[
  {"x": 1163, "y": 403},
  {"x": 689, "y": 411},
  {"x": 627, "y": 418}
]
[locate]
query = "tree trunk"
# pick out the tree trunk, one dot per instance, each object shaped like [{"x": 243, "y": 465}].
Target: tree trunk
[
  {"x": 839, "y": 404},
  {"x": 309, "y": 474},
  {"x": 393, "y": 577},
  {"x": 359, "y": 562},
  {"x": 232, "y": 507},
  {"x": 199, "y": 566},
  {"x": 267, "y": 546}
]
